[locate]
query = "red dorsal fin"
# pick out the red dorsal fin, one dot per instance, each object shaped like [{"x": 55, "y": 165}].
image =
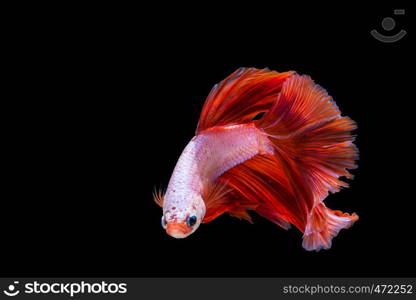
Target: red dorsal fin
[{"x": 240, "y": 97}]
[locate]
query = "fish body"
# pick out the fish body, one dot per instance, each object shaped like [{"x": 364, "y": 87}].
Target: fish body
[
  {"x": 270, "y": 142},
  {"x": 207, "y": 156}
]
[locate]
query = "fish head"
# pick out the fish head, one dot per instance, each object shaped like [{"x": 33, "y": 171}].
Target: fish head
[{"x": 181, "y": 221}]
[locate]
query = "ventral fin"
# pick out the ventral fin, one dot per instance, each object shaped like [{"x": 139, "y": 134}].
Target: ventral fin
[
  {"x": 241, "y": 212},
  {"x": 216, "y": 203},
  {"x": 158, "y": 196}
]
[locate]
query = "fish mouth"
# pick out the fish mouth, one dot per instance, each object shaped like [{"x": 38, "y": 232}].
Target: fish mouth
[{"x": 178, "y": 230}]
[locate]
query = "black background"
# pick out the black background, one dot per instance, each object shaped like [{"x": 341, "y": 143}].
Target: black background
[{"x": 104, "y": 100}]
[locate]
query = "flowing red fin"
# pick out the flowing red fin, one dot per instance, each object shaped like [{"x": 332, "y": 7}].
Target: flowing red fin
[
  {"x": 158, "y": 196},
  {"x": 305, "y": 125},
  {"x": 323, "y": 225},
  {"x": 216, "y": 201},
  {"x": 240, "y": 213},
  {"x": 240, "y": 97},
  {"x": 269, "y": 214},
  {"x": 264, "y": 181},
  {"x": 313, "y": 147}
]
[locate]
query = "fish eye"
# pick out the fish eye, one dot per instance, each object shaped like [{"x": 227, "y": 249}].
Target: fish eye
[
  {"x": 164, "y": 222},
  {"x": 191, "y": 221}
]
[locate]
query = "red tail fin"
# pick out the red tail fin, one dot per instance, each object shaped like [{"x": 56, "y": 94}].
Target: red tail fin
[
  {"x": 323, "y": 225},
  {"x": 306, "y": 127}
]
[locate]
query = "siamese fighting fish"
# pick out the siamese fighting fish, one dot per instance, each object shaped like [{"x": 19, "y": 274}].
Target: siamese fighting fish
[{"x": 268, "y": 142}]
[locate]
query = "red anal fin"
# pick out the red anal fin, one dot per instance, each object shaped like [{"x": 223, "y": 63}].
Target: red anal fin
[
  {"x": 263, "y": 181},
  {"x": 272, "y": 216}
]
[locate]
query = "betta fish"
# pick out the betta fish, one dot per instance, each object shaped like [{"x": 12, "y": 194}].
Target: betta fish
[{"x": 269, "y": 142}]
